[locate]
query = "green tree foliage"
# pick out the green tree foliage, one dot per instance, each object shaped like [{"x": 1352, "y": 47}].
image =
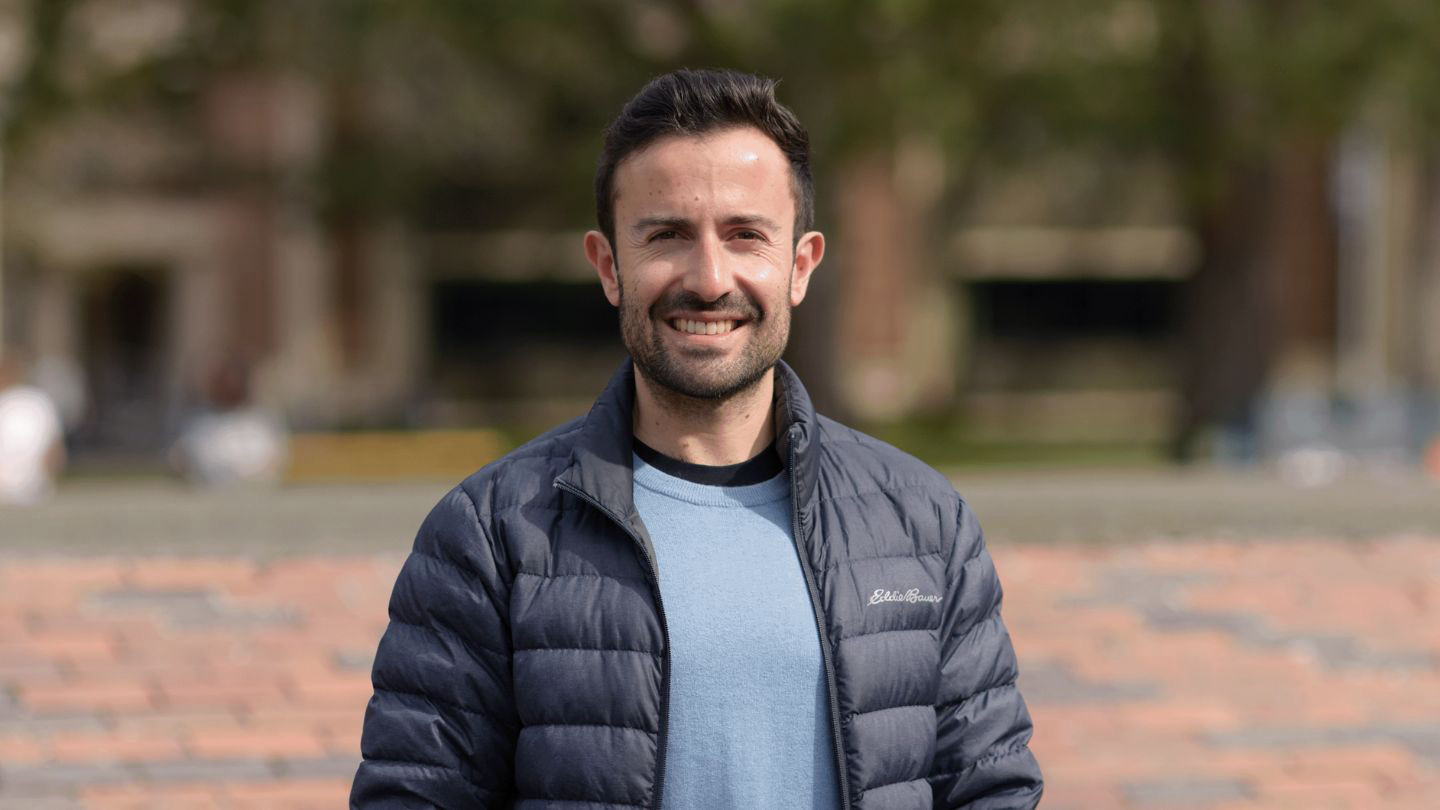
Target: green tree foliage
[{"x": 503, "y": 91}]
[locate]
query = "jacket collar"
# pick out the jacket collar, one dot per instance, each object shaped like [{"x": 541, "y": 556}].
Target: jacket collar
[
  {"x": 796, "y": 427},
  {"x": 600, "y": 464}
]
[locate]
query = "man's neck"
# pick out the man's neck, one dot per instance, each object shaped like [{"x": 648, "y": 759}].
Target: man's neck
[{"x": 704, "y": 431}]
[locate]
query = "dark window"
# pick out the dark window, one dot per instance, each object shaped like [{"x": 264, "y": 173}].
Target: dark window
[
  {"x": 498, "y": 315},
  {"x": 1075, "y": 308},
  {"x": 499, "y": 341}
]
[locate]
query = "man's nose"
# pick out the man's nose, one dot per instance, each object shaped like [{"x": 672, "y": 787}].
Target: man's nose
[{"x": 709, "y": 276}]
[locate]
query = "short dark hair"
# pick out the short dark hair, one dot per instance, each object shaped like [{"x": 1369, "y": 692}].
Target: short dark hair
[{"x": 695, "y": 102}]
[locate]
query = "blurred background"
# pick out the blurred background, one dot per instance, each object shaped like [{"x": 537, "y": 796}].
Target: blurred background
[
  {"x": 1158, "y": 281},
  {"x": 1096, "y": 230}
]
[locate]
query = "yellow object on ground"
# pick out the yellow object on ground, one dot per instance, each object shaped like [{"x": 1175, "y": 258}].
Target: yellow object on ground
[{"x": 391, "y": 455}]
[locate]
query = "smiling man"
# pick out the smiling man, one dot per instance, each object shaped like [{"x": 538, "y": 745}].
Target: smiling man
[{"x": 701, "y": 594}]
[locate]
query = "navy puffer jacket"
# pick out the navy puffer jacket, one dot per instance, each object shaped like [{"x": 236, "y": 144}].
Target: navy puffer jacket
[{"x": 525, "y": 662}]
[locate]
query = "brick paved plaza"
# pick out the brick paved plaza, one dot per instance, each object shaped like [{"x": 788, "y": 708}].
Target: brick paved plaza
[{"x": 1248, "y": 672}]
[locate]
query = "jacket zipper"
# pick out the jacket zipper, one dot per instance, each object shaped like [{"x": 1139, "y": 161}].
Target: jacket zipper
[
  {"x": 664, "y": 634},
  {"x": 820, "y": 626}
]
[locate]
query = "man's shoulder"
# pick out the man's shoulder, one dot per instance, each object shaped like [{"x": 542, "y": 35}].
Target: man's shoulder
[
  {"x": 523, "y": 473},
  {"x": 868, "y": 463}
]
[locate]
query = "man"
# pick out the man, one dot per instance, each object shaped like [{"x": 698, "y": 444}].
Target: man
[{"x": 701, "y": 594}]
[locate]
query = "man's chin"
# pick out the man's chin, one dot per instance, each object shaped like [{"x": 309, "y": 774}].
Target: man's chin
[{"x": 693, "y": 380}]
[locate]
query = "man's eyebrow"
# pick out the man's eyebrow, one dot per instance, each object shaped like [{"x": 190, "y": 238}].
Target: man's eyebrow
[
  {"x": 645, "y": 223},
  {"x": 753, "y": 219},
  {"x": 650, "y": 222}
]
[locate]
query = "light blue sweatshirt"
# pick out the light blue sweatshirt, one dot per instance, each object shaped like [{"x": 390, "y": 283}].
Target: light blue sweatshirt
[{"x": 749, "y": 717}]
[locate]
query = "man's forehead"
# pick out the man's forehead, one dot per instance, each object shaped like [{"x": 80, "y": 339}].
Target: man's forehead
[
  {"x": 739, "y": 165},
  {"x": 742, "y": 141}
]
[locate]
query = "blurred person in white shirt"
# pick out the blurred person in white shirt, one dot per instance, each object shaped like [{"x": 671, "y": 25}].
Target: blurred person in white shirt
[
  {"x": 231, "y": 440},
  {"x": 32, "y": 449}
]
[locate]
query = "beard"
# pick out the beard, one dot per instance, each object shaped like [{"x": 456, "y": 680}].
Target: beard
[{"x": 703, "y": 373}]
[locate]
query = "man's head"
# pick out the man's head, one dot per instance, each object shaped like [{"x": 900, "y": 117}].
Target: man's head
[{"x": 705, "y": 205}]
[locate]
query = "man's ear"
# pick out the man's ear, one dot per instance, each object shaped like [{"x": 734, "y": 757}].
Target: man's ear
[
  {"x": 599, "y": 254},
  {"x": 809, "y": 250}
]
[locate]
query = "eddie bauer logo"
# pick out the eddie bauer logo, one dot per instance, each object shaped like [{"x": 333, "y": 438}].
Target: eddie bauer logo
[{"x": 911, "y": 596}]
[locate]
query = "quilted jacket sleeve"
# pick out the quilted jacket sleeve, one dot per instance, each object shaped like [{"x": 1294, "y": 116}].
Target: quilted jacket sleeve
[
  {"x": 982, "y": 758},
  {"x": 440, "y": 729}
]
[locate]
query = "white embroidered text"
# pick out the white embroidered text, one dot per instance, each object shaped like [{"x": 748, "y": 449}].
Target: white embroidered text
[{"x": 911, "y": 596}]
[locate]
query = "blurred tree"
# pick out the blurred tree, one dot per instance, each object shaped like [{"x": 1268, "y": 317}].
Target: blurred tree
[
  {"x": 1248, "y": 96},
  {"x": 1245, "y": 102},
  {"x": 1250, "y": 101}
]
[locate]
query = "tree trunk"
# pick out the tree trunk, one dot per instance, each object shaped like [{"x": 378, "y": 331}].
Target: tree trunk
[
  {"x": 1260, "y": 309},
  {"x": 893, "y": 338}
]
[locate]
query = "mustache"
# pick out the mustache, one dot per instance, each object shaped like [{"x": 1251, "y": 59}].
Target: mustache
[{"x": 735, "y": 304}]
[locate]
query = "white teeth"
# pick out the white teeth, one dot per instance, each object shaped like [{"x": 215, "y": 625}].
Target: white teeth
[{"x": 702, "y": 327}]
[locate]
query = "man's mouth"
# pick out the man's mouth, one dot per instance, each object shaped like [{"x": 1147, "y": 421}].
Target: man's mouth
[{"x": 693, "y": 327}]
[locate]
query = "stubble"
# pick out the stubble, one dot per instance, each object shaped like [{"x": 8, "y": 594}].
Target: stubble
[{"x": 702, "y": 377}]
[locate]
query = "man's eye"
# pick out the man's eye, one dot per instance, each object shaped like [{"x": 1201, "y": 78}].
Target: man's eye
[
  {"x": 749, "y": 235},
  {"x": 665, "y": 235}
]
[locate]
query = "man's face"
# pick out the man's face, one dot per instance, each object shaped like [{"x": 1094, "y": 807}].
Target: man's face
[{"x": 705, "y": 267}]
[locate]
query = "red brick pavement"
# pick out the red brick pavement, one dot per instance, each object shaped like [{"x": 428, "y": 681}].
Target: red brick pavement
[{"x": 1295, "y": 674}]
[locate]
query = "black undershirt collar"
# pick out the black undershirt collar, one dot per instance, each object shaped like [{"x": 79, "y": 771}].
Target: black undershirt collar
[{"x": 757, "y": 470}]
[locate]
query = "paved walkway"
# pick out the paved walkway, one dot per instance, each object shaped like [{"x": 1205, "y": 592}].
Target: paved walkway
[
  {"x": 1284, "y": 673},
  {"x": 1281, "y": 674},
  {"x": 1079, "y": 506}
]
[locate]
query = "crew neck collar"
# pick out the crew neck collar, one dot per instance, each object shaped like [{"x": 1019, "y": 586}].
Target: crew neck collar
[{"x": 763, "y": 467}]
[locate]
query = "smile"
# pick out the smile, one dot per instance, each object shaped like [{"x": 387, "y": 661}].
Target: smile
[{"x": 691, "y": 327}]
